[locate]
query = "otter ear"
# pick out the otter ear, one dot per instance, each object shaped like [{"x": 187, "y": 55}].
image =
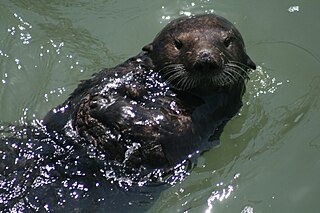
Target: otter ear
[
  {"x": 148, "y": 48},
  {"x": 250, "y": 63}
]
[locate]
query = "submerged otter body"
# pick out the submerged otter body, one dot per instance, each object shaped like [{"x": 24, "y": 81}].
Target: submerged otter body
[{"x": 170, "y": 101}]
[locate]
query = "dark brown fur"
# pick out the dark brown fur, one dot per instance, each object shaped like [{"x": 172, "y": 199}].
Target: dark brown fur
[{"x": 170, "y": 101}]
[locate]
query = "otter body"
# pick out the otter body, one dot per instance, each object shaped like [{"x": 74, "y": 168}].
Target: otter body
[{"x": 170, "y": 101}]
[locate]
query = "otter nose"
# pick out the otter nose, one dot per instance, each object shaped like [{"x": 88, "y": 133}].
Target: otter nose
[
  {"x": 206, "y": 61},
  {"x": 204, "y": 54}
]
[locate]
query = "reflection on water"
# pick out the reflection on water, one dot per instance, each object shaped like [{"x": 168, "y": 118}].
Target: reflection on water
[
  {"x": 268, "y": 160},
  {"x": 47, "y": 172},
  {"x": 46, "y": 61}
]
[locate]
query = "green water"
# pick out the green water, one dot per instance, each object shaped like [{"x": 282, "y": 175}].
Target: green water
[{"x": 269, "y": 157}]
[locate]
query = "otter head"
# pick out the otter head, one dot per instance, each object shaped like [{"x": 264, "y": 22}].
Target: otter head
[{"x": 200, "y": 53}]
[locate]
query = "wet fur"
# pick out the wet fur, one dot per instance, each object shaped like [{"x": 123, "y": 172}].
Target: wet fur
[{"x": 171, "y": 100}]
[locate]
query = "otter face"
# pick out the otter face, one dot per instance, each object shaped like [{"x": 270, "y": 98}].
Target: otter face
[{"x": 200, "y": 53}]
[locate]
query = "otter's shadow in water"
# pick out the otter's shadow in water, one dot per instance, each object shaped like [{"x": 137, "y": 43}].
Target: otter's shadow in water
[{"x": 131, "y": 126}]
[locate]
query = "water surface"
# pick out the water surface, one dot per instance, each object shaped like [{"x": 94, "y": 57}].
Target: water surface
[{"x": 269, "y": 157}]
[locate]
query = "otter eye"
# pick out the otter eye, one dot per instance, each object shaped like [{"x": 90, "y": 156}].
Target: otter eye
[
  {"x": 227, "y": 42},
  {"x": 178, "y": 43}
]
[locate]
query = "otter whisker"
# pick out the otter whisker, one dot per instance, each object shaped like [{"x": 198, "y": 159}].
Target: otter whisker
[
  {"x": 241, "y": 64},
  {"x": 180, "y": 83},
  {"x": 169, "y": 72},
  {"x": 236, "y": 67},
  {"x": 217, "y": 80},
  {"x": 225, "y": 80},
  {"x": 235, "y": 71},
  {"x": 224, "y": 58},
  {"x": 230, "y": 75},
  {"x": 239, "y": 75},
  {"x": 174, "y": 79},
  {"x": 177, "y": 76},
  {"x": 171, "y": 68},
  {"x": 173, "y": 72},
  {"x": 171, "y": 79},
  {"x": 213, "y": 80},
  {"x": 230, "y": 79},
  {"x": 186, "y": 84},
  {"x": 194, "y": 82}
]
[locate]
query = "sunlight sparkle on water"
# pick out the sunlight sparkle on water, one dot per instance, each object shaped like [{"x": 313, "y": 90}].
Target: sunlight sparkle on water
[
  {"x": 3, "y": 54},
  {"x": 219, "y": 196},
  {"x": 247, "y": 209},
  {"x": 293, "y": 9},
  {"x": 166, "y": 17},
  {"x": 186, "y": 13},
  {"x": 25, "y": 36},
  {"x": 263, "y": 83}
]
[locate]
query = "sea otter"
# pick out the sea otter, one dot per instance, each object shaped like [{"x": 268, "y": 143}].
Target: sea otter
[{"x": 165, "y": 104}]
